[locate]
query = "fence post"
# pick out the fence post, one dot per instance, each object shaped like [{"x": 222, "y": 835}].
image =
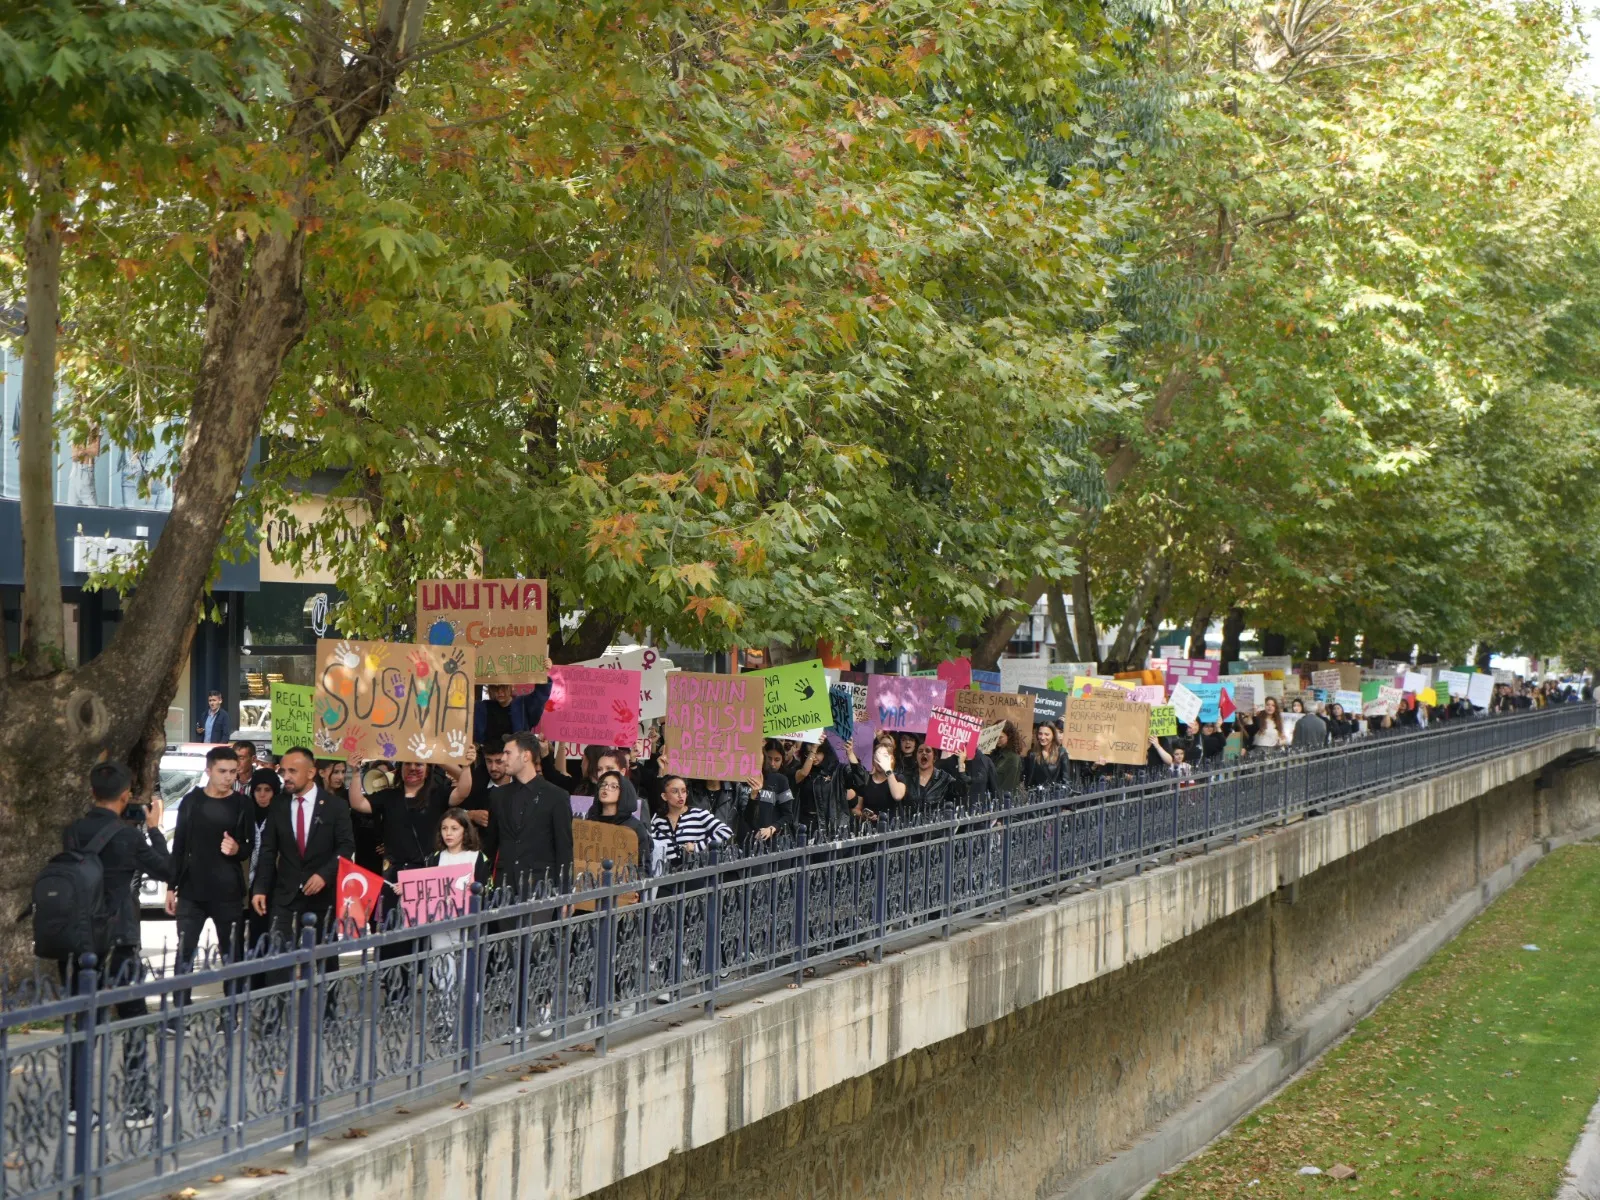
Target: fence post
[
  {"x": 801, "y": 886},
  {"x": 713, "y": 955},
  {"x": 604, "y": 947},
  {"x": 305, "y": 1040},
  {"x": 951, "y": 833},
  {"x": 467, "y": 1031},
  {"x": 81, "y": 1068},
  {"x": 883, "y": 899}
]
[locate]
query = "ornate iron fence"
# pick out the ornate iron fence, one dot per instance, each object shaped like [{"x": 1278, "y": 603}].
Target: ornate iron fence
[{"x": 100, "y": 1097}]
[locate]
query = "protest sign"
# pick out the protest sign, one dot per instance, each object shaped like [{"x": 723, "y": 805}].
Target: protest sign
[
  {"x": 1369, "y": 691},
  {"x": 595, "y": 842},
  {"x": 991, "y": 707},
  {"x": 592, "y": 706},
  {"x": 1171, "y": 651},
  {"x": 1163, "y": 721},
  {"x": 1273, "y": 662},
  {"x": 1067, "y": 670},
  {"x": 1102, "y": 729},
  {"x": 1327, "y": 680},
  {"x": 1505, "y": 676},
  {"x": 1017, "y": 672},
  {"x": 653, "y": 670},
  {"x": 1480, "y": 690},
  {"x": 1349, "y": 701},
  {"x": 1275, "y": 689},
  {"x": 1185, "y": 704},
  {"x": 293, "y": 717},
  {"x": 1457, "y": 681},
  {"x": 1385, "y": 704},
  {"x": 393, "y": 700},
  {"x": 986, "y": 681},
  {"x": 1086, "y": 685},
  {"x": 1428, "y": 696},
  {"x": 1415, "y": 681},
  {"x": 502, "y": 623},
  {"x": 1198, "y": 670},
  {"x": 1243, "y": 696},
  {"x": 714, "y": 725},
  {"x": 796, "y": 697},
  {"x": 434, "y": 893},
  {"x": 1441, "y": 690},
  {"x": 1149, "y": 694},
  {"x": 1047, "y": 705},
  {"x": 842, "y": 711},
  {"x": 1058, "y": 683},
  {"x": 953, "y": 732},
  {"x": 990, "y": 737},
  {"x": 1210, "y": 695},
  {"x": 957, "y": 674},
  {"x": 1289, "y": 721},
  {"x": 1238, "y": 666},
  {"x": 1389, "y": 664},
  {"x": 902, "y": 702}
]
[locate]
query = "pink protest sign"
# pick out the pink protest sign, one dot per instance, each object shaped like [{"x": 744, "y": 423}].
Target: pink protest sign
[
  {"x": 1192, "y": 670},
  {"x": 1149, "y": 693},
  {"x": 955, "y": 732},
  {"x": 434, "y": 893},
  {"x": 593, "y": 706},
  {"x": 957, "y": 675},
  {"x": 902, "y": 702}
]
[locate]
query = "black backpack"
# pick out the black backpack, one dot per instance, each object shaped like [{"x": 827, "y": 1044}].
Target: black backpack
[{"x": 69, "y": 902}]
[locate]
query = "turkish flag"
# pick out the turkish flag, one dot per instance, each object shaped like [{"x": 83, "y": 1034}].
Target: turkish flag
[
  {"x": 1224, "y": 703},
  {"x": 357, "y": 894}
]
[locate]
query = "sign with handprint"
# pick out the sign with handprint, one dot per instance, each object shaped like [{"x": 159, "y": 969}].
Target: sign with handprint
[
  {"x": 503, "y": 624},
  {"x": 796, "y": 698},
  {"x": 394, "y": 701},
  {"x": 593, "y": 706}
]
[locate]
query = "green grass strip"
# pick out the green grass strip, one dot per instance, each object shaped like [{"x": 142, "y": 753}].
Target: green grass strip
[{"x": 1473, "y": 1079}]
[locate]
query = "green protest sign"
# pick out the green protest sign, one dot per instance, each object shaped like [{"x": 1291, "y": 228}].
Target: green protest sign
[
  {"x": 1058, "y": 683},
  {"x": 1369, "y": 690},
  {"x": 1163, "y": 721},
  {"x": 796, "y": 699},
  {"x": 292, "y": 721}
]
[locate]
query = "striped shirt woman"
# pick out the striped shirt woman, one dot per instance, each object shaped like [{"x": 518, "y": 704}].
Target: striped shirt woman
[{"x": 684, "y": 830}]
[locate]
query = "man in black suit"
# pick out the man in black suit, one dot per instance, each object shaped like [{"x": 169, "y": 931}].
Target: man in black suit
[
  {"x": 307, "y": 832},
  {"x": 529, "y": 835}
]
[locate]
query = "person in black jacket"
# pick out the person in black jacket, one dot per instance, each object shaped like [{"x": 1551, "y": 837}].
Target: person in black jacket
[
  {"x": 408, "y": 813},
  {"x": 210, "y": 846},
  {"x": 529, "y": 834},
  {"x": 307, "y": 833},
  {"x": 927, "y": 787},
  {"x": 135, "y": 849},
  {"x": 616, "y": 803},
  {"x": 823, "y": 785}
]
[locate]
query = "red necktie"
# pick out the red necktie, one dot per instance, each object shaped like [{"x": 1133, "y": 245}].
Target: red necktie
[{"x": 300, "y": 824}]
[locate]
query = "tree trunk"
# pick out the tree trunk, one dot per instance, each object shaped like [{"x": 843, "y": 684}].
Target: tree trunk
[
  {"x": 1083, "y": 612},
  {"x": 997, "y": 630},
  {"x": 43, "y": 638},
  {"x": 1066, "y": 649},
  {"x": 1153, "y": 618},
  {"x": 1321, "y": 648},
  {"x": 1274, "y": 644},
  {"x": 54, "y": 729},
  {"x": 1197, "y": 631},
  {"x": 1138, "y": 603},
  {"x": 1232, "y": 629},
  {"x": 1485, "y": 653}
]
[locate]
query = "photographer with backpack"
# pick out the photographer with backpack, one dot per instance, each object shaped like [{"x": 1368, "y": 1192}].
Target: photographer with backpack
[{"x": 83, "y": 903}]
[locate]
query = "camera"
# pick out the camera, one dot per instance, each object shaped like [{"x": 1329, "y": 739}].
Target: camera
[{"x": 135, "y": 813}]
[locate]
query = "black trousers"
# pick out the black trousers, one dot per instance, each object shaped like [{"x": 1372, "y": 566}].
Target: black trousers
[
  {"x": 123, "y": 965},
  {"x": 193, "y": 913}
]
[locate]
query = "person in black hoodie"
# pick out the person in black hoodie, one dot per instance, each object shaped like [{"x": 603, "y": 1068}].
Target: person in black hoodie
[
  {"x": 616, "y": 803},
  {"x": 823, "y": 785},
  {"x": 927, "y": 787}
]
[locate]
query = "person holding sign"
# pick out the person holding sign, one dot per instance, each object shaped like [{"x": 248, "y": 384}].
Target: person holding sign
[
  {"x": 884, "y": 788},
  {"x": 616, "y": 804},
  {"x": 408, "y": 813},
  {"x": 683, "y": 830}
]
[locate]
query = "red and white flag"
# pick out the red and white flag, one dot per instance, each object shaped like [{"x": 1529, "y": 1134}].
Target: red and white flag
[{"x": 356, "y": 895}]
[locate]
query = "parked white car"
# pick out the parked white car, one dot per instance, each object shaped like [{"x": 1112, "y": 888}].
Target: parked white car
[{"x": 182, "y": 767}]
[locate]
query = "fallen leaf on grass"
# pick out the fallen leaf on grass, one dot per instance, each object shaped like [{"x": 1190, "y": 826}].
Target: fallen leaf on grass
[
  {"x": 218, "y": 1179},
  {"x": 1341, "y": 1171},
  {"x": 463, "y": 1104},
  {"x": 262, "y": 1172},
  {"x": 352, "y": 1134}
]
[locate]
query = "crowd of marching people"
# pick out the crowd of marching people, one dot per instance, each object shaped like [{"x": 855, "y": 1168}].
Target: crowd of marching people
[{"x": 257, "y": 848}]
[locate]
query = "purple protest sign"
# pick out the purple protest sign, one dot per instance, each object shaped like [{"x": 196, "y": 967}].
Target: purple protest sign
[{"x": 903, "y": 702}]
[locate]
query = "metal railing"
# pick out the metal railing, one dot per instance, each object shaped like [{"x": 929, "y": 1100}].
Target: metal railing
[{"x": 234, "y": 1061}]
